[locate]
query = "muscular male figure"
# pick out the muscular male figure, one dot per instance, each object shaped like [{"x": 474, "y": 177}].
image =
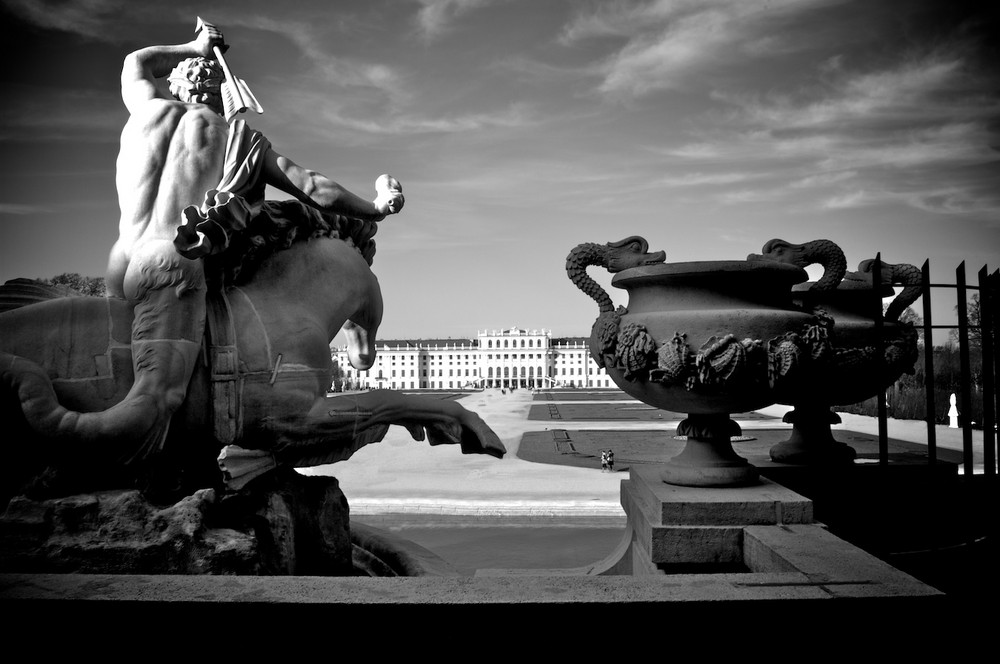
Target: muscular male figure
[{"x": 182, "y": 163}]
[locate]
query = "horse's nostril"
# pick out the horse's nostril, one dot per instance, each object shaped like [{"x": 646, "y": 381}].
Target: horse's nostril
[{"x": 363, "y": 361}]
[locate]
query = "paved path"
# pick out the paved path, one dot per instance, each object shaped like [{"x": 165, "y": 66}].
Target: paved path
[{"x": 403, "y": 475}]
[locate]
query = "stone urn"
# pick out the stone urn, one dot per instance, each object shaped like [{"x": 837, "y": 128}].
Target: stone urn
[
  {"x": 703, "y": 338},
  {"x": 848, "y": 367}
]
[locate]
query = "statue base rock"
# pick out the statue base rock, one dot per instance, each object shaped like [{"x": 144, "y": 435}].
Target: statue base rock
[{"x": 286, "y": 524}]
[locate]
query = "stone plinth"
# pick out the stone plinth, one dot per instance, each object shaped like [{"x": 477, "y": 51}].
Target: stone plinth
[{"x": 747, "y": 535}]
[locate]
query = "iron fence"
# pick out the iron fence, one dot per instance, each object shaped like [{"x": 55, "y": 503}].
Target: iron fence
[{"x": 987, "y": 336}]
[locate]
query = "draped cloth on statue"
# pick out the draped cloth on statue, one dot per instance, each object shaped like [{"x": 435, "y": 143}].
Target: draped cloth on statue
[{"x": 207, "y": 229}]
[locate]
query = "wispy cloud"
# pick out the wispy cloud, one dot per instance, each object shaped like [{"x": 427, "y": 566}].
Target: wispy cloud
[
  {"x": 16, "y": 209},
  {"x": 57, "y": 114},
  {"x": 759, "y": 195},
  {"x": 697, "y": 179},
  {"x": 668, "y": 41},
  {"x": 921, "y": 131},
  {"x": 88, "y": 18},
  {"x": 695, "y": 151},
  {"x": 435, "y": 17},
  {"x": 321, "y": 65},
  {"x": 955, "y": 200},
  {"x": 514, "y": 115},
  {"x": 850, "y": 199},
  {"x": 822, "y": 179},
  {"x": 868, "y": 97},
  {"x": 623, "y": 18}
]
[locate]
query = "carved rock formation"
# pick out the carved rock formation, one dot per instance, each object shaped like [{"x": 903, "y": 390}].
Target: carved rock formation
[{"x": 288, "y": 524}]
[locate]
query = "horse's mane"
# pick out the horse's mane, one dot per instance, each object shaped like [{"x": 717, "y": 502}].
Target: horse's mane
[{"x": 278, "y": 226}]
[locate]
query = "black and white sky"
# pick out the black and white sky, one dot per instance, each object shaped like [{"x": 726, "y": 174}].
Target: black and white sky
[{"x": 520, "y": 129}]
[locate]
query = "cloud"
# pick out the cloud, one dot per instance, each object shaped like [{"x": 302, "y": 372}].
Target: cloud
[
  {"x": 921, "y": 131},
  {"x": 695, "y": 151},
  {"x": 347, "y": 123},
  {"x": 435, "y": 17},
  {"x": 659, "y": 61},
  {"x": 623, "y": 18},
  {"x": 868, "y": 97},
  {"x": 955, "y": 200},
  {"x": 515, "y": 115},
  {"x": 697, "y": 179},
  {"x": 324, "y": 67},
  {"x": 762, "y": 195},
  {"x": 849, "y": 199},
  {"x": 668, "y": 41},
  {"x": 88, "y": 18},
  {"x": 16, "y": 209},
  {"x": 822, "y": 179},
  {"x": 57, "y": 114}
]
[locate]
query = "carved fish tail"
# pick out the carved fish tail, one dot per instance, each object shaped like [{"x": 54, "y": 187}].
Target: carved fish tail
[
  {"x": 114, "y": 433},
  {"x": 831, "y": 257},
  {"x": 911, "y": 279},
  {"x": 579, "y": 259}
]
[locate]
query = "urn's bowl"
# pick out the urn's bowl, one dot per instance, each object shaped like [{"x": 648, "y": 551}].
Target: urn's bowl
[
  {"x": 856, "y": 374},
  {"x": 727, "y": 312}
]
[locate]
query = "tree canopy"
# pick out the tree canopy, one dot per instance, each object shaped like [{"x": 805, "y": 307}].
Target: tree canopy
[{"x": 79, "y": 283}]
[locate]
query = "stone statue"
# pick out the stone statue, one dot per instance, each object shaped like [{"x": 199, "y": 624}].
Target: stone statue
[
  {"x": 181, "y": 161},
  {"x": 215, "y": 335}
]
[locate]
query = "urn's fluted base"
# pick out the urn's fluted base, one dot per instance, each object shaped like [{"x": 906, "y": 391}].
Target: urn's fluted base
[
  {"x": 708, "y": 458},
  {"x": 812, "y": 442}
]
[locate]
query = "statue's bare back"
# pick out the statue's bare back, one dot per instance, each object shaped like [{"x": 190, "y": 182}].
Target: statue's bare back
[{"x": 172, "y": 153}]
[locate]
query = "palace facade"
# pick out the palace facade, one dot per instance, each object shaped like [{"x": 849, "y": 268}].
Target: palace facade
[{"x": 508, "y": 358}]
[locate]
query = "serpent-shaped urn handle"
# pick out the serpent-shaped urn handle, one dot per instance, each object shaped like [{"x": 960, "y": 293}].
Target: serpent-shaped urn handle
[{"x": 633, "y": 251}]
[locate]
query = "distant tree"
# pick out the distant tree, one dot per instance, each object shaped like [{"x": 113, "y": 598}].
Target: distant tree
[
  {"x": 974, "y": 316},
  {"x": 79, "y": 284},
  {"x": 910, "y": 316}
]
